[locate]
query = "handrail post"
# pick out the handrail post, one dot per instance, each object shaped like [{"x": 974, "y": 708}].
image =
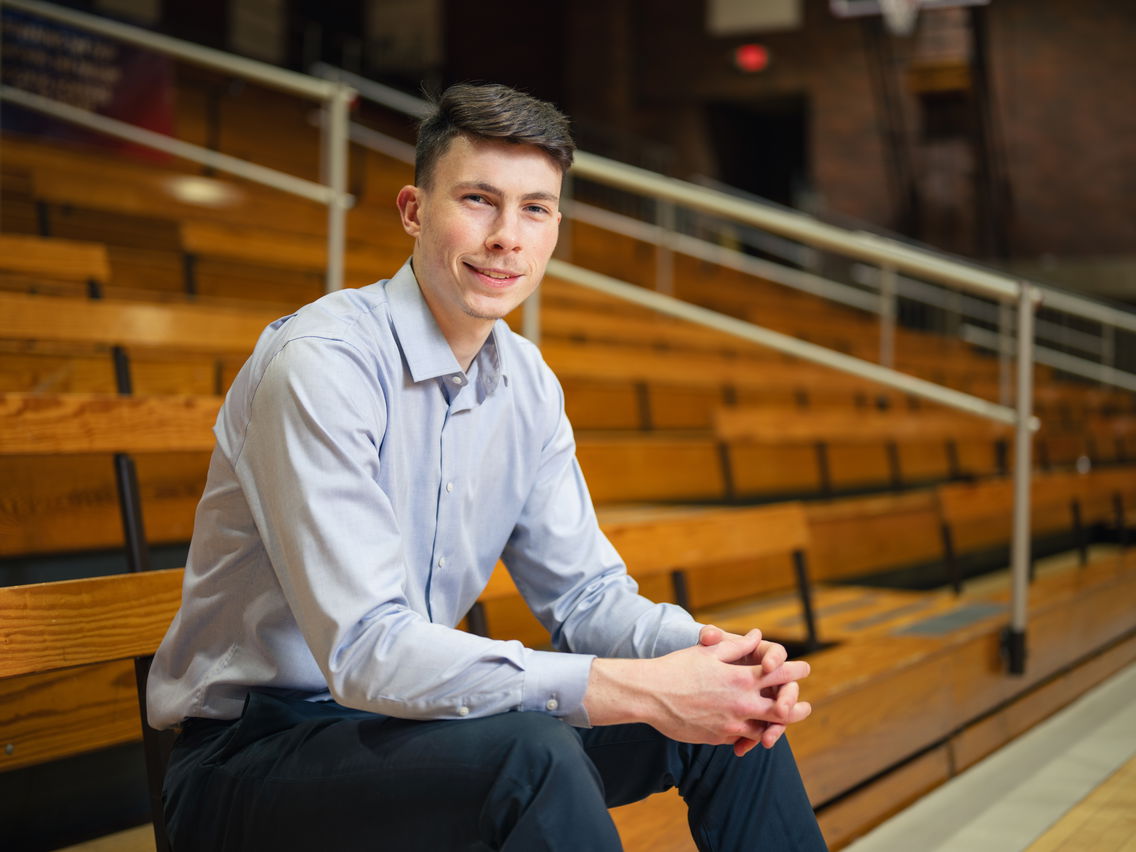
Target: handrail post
[
  {"x": 334, "y": 152},
  {"x": 1020, "y": 554},
  {"x": 887, "y": 315},
  {"x": 567, "y": 231},
  {"x": 530, "y": 318},
  {"x": 664, "y": 257},
  {"x": 1108, "y": 348},
  {"x": 1005, "y": 344}
]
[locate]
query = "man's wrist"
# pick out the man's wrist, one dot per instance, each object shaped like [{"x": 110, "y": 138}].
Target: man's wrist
[{"x": 617, "y": 692}]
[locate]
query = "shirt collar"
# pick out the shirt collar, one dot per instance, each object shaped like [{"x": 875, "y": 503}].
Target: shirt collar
[{"x": 425, "y": 348}]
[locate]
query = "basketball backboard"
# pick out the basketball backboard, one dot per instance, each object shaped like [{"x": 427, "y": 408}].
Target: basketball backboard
[{"x": 900, "y": 15}]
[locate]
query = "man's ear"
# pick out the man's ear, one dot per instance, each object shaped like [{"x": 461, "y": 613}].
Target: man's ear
[{"x": 409, "y": 205}]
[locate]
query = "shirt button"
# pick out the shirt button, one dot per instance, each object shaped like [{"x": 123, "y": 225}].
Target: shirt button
[
  {"x": 463, "y": 711},
  {"x": 442, "y": 562},
  {"x": 551, "y": 704},
  {"x": 457, "y": 380},
  {"x": 449, "y": 487}
]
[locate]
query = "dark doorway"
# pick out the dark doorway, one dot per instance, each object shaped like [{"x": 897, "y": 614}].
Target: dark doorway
[
  {"x": 325, "y": 30},
  {"x": 762, "y": 148}
]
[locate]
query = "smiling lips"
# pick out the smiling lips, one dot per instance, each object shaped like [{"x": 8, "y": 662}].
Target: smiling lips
[{"x": 497, "y": 275}]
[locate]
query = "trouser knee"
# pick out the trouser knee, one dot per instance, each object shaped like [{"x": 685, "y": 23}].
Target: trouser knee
[{"x": 537, "y": 746}]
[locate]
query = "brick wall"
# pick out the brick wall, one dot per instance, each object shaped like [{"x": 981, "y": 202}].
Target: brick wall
[{"x": 1064, "y": 84}]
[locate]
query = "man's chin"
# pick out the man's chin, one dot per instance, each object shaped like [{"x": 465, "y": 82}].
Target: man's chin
[{"x": 491, "y": 311}]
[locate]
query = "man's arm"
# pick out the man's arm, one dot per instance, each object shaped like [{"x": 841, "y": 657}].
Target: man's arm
[{"x": 309, "y": 470}]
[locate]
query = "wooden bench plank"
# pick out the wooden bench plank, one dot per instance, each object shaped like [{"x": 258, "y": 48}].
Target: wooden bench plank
[
  {"x": 65, "y": 712},
  {"x": 60, "y": 504},
  {"x": 94, "y": 423},
  {"x": 50, "y": 626},
  {"x": 182, "y": 327},
  {"x": 53, "y": 258}
]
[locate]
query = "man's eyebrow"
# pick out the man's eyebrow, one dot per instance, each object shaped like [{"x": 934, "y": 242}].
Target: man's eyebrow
[{"x": 490, "y": 189}]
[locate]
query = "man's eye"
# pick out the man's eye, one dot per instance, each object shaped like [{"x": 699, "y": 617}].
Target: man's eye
[
  {"x": 474, "y": 197},
  {"x": 536, "y": 209}
]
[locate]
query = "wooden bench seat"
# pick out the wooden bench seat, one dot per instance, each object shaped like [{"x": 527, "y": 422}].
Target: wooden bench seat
[
  {"x": 68, "y": 677},
  {"x": 28, "y": 261},
  {"x": 693, "y": 556},
  {"x": 866, "y": 448}
]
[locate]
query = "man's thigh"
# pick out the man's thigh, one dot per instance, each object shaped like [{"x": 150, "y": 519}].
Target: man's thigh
[{"x": 295, "y": 775}]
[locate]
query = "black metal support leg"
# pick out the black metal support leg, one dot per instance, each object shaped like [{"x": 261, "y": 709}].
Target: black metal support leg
[
  {"x": 130, "y": 504},
  {"x": 681, "y": 589},
  {"x": 478, "y": 623},
  {"x": 1079, "y": 531},
  {"x": 805, "y": 592},
  {"x": 950, "y": 559},
  {"x": 156, "y": 747}
]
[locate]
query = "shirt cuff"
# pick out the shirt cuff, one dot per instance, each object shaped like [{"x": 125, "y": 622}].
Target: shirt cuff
[
  {"x": 682, "y": 636},
  {"x": 555, "y": 684}
]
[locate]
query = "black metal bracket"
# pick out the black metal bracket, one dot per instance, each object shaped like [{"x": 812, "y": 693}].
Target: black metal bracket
[
  {"x": 189, "y": 273},
  {"x": 954, "y": 469},
  {"x": 130, "y": 504},
  {"x": 726, "y": 465},
  {"x": 681, "y": 588},
  {"x": 643, "y": 401},
  {"x": 895, "y": 469},
  {"x": 478, "y": 622},
  {"x": 156, "y": 748},
  {"x": 1121, "y": 519},
  {"x": 805, "y": 592},
  {"x": 1079, "y": 531},
  {"x": 123, "y": 381},
  {"x": 824, "y": 473},
  {"x": 1013, "y": 647},
  {"x": 950, "y": 558}
]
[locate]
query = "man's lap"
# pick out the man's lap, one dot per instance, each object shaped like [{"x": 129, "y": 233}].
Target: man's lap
[{"x": 308, "y": 773}]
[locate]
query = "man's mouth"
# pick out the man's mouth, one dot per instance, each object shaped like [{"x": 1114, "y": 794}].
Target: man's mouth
[{"x": 495, "y": 274}]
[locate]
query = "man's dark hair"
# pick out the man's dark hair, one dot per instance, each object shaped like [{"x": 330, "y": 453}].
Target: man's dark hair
[{"x": 491, "y": 111}]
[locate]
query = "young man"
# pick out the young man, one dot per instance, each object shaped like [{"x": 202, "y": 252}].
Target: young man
[{"x": 376, "y": 455}]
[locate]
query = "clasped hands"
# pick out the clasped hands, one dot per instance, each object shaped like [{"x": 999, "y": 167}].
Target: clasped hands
[
  {"x": 726, "y": 690},
  {"x": 775, "y": 680}
]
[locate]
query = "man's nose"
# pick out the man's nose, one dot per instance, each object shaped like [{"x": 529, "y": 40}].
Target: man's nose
[{"x": 505, "y": 234}]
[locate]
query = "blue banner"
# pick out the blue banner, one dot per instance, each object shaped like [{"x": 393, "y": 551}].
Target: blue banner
[{"x": 84, "y": 70}]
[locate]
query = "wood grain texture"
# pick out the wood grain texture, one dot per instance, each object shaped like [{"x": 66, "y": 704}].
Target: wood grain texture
[
  {"x": 64, "y": 712},
  {"x": 56, "y": 504},
  {"x": 182, "y": 327},
  {"x": 1104, "y": 821},
  {"x": 92, "y": 423},
  {"x": 48, "y": 626}
]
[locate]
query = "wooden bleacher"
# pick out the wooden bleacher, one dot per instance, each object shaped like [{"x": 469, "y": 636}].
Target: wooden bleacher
[{"x": 662, "y": 413}]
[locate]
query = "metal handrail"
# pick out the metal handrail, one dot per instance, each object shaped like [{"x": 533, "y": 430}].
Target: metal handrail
[
  {"x": 787, "y": 344},
  {"x": 1058, "y": 360},
  {"x": 167, "y": 144},
  {"x": 890, "y": 255},
  {"x": 336, "y": 97}
]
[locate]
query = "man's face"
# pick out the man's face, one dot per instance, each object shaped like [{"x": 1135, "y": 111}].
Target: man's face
[{"x": 484, "y": 231}]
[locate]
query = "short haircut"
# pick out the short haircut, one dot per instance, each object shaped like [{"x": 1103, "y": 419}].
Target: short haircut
[{"x": 494, "y": 112}]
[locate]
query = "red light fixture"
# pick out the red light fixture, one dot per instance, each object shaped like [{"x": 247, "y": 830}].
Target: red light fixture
[{"x": 751, "y": 58}]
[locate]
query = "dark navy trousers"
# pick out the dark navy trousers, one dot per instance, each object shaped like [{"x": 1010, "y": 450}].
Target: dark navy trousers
[{"x": 296, "y": 775}]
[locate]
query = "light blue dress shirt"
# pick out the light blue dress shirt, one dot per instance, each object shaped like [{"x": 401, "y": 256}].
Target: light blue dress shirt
[{"x": 361, "y": 491}]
